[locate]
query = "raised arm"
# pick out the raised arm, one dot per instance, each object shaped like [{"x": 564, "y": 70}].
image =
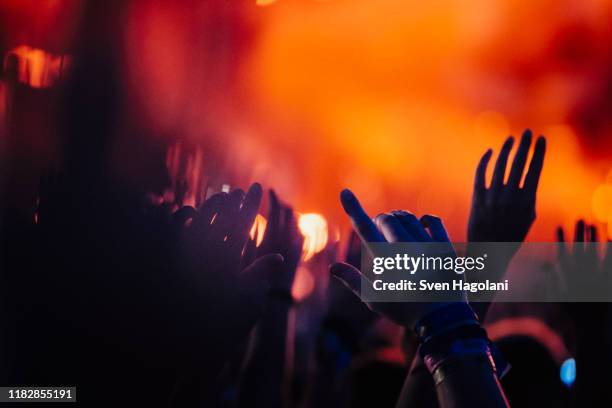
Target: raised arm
[
  {"x": 505, "y": 211},
  {"x": 268, "y": 373},
  {"x": 583, "y": 271},
  {"x": 452, "y": 343},
  {"x": 221, "y": 300}
]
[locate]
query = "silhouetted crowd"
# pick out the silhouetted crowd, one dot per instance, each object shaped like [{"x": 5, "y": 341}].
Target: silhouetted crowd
[{"x": 146, "y": 302}]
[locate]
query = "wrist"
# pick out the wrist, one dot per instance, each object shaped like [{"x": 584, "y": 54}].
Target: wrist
[
  {"x": 459, "y": 365},
  {"x": 452, "y": 336},
  {"x": 443, "y": 319}
]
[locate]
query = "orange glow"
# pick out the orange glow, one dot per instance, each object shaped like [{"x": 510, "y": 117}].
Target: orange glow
[
  {"x": 303, "y": 285},
  {"x": 38, "y": 68},
  {"x": 264, "y": 2},
  {"x": 258, "y": 229},
  {"x": 396, "y": 100},
  {"x": 186, "y": 170},
  {"x": 602, "y": 202},
  {"x": 314, "y": 229}
]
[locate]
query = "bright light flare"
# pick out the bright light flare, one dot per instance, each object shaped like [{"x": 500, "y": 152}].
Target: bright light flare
[
  {"x": 264, "y": 2},
  {"x": 258, "y": 229},
  {"x": 303, "y": 285},
  {"x": 602, "y": 202},
  {"x": 36, "y": 67},
  {"x": 185, "y": 166},
  {"x": 314, "y": 229},
  {"x": 568, "y": 372}
]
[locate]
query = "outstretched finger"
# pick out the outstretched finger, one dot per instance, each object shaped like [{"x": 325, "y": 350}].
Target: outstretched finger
[
  {"x": 361, "y": 221},
  {"x": 435, "y": 227},
  {"x": 593, "y": 235},
  {"x": 227, "y": 223},
  {"x": 578, "y": 248},
  {"x": 236, "y": 198},
  {"x": 607, "y": 261},
  {"x": 392, "y": 229},
  {"x": 287, "y": 218},
  {"x": 561, "y": 245},
  {"x": 273, "y": 224},
  {"x": 535, "y": 167},
  {"x": 208, "y": 212},
  {"x": 348, "y": 275},
  {"x": 414, "y": 227},
  {"x": 563, "y": 256},
  {"x": 249, "y": 208},
  {"x": 274, "y": 212},
  {"x": 249, "y": 252},
  {"x": 236, "y": 222},
  {"x": 500, "y": 165},
  {"x": 591, "y": 239},
  {"x": 518, "y": 165},
  {"x": 479, "y": 179}
]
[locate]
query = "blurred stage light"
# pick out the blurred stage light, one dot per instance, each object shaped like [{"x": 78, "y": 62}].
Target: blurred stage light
[
  {"x": 314, "y": 229},
  {"x": 568, "y": 372}
]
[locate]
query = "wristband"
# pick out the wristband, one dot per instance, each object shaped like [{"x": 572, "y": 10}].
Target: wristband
[
  {"x": 464, "y": 342},
  {"x": 445, "y": 319},
  {"x": 453, "y": 332},
  {"x": 450, "y": 341},
  {"x": 453, "y": 364}
]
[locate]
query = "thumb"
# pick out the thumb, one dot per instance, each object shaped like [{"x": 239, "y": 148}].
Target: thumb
[
  {"x": 258, "y": 276},
  {"x": 254, "y": 285},
  {"x": 348, "y": 275}
]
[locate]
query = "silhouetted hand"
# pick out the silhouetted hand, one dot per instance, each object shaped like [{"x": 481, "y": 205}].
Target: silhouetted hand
[
  {"x": 228, "y": 298},
  {"x": 353, "y": 250},
  {"x": 587, "y": 277},
  {"x": 398, "y": 226},
  {"x": 581, "y": 269},
  {"x": 505, "y": 212},
  {"x": 282, "y": 236},
  {"x": 268, "y": 372}
]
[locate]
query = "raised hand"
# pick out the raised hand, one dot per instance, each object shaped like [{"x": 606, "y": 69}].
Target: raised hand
[
  {"x": 397, "y": 226},
  {"x": 228, "y": 298},
  {"x": 584, "y": 273},
  {"x": 581, "y": 269},
  {"x": 282, "y": 236},
  {"x": 267, "y": 374},
  {"x": 504, "y": 212},
  {"x": 353, "y": 250}
]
